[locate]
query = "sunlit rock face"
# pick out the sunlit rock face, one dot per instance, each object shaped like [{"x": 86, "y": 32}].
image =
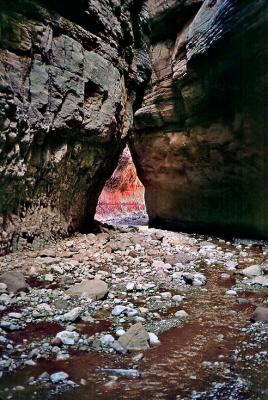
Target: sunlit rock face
[
  {"x": 123, "y": 193},
  {"x": 200, "y": 143},
  {"x": 71, "y": 73}
]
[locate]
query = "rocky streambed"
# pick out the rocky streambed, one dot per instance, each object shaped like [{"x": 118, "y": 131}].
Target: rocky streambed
[{"x": 135, "y": 313}]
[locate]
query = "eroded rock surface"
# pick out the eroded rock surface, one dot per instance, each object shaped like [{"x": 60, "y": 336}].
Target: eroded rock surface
[
  {"x": 123, "y": 193},
  {"x": 200, "y": 140},
  {"x": 95, "y": 289},
  {"x": 14, "y": 281},
  {"x": 70, "y": 76},
  {"x": 260, "y": 314},
  {"x": 136, "y": 338}
]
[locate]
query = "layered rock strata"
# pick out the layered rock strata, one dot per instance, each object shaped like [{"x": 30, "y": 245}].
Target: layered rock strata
[
  {"x": 123, "y": 193},
  {"x": 200, "y": 143},
  {"x": 70, "y": 77}
]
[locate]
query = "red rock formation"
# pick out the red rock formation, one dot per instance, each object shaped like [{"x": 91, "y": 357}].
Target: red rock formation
[{"x": 123, "y": 193}]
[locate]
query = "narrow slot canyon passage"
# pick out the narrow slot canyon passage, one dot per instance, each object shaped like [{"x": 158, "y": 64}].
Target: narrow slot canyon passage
[
  {"x": 122, "y": 199},
  {"x": 104, "y": 296}
]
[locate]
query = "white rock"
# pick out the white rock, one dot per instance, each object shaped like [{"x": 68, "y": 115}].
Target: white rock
[
  {"x": 158, "y": 264},
  {"x": 177, "y": 275},
  {"x": 198, "y": 282},
  {"x": 49, "y": 278},
  {"x": 33, "y": 271},
  {"x": 73, "y": 314},
  {"x": 139, "y": 319},
  {"x": 181, "y": 314},
  {"x": 5, "y": 298},
  {"x": 37, "y": 314},
  {"x": 15, "y": 315},
  {"x": 153, "y": 339},
  {"x": 131, "y": 312},
  {"x": 178, "y": 298},
  {"x": 195, "y": 279},
  {"x": 87, "y": 318},
  {"x": 30, "y": 363},
  {"x": 19, "y": 388},
  {"x": 57, "y": 269},
  {"x": 146, "y": 270},
  {"x": 130, "y": 286},
  {"x": 231, "y": 265},
  {"x": 62, "y": 356},
  {"x": 70, "y": 243},
  {"x": 167, "y": 267},
  {"x": 260, "y": 280},
  {"x": 230, "y": 292},
  {"x": 148, "y": 286},
  {"x": 3, "y": 287},
  {"x": 253, "y": 270},
  {"x": 3, "y": 339},
  {"x": 67, "y": 337},
  {"x": 165, "y": 295},
  {"x": 120, "y": 332},
  {"x": 107, "y": 340},
  {"x": 225, "y": 276},
  {"x": 59, "y": 377},
  {"x": 118, "y": 310},
  {"x": 43, "y": 307}
]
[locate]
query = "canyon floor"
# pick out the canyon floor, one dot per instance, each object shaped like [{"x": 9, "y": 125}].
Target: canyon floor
[{"x": 188, "y": 301}]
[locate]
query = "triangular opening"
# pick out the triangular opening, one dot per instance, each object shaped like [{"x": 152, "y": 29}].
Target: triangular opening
[{"x": 122, "y": 199}]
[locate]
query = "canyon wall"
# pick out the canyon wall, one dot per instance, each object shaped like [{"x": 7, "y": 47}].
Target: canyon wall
[
  {"x": 200, "y": 139},
  {"x": 70, "y": 76}
]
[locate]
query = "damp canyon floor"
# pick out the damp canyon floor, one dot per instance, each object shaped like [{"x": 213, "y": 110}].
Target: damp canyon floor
[{"x": 212, "y": 351}]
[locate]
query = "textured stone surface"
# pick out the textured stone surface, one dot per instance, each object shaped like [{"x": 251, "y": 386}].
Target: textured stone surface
[
  {"x": 200, "y": 142},
  {"x": 70, "y": 76},
  {"x": 14, "y": 280},
  {"x": 253, "y": 270},
  {"x": 95, "y": 289},
  {"x": 260, "y": 314},
  {"x": 135, "y": 338}
]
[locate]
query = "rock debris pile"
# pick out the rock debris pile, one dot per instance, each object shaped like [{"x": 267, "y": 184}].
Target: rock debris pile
[{"x": 115, "y": 292}]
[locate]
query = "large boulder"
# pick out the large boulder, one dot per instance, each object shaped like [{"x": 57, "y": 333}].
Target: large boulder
[
  {"x": 135, "y": 338},
  {"x": 95, "y": 289},
  {"x": 260, "y": 315},
  {"x": 260, "y": 280},
  {"x": 15, "y": 281},
  {"x": 253, "y": 270}
]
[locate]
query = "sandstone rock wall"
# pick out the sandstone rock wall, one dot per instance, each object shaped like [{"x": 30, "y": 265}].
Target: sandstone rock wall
[
  {"x": 123, "y": 194},
  {"x": 70, "y": 75},
  {"x": 200, "y": 140}
]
